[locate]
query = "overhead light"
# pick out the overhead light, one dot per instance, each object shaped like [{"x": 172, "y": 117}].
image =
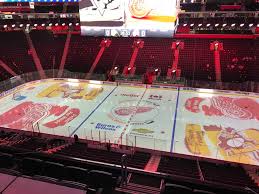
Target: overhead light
[
  {"x": 50, "y": 24},
  {"x": 258, "y": 25},
  {"x": 208, "y": 25},
  {"x": 35, "y": 25},
  {"x": 27, "y": 25},
  {"x": 56, "y": 24},
  {"x": 232, "y": 25},
  {"x": 216, "y": 25},
  {"x": 63, "y": 24},
  {"x": 224, "y": 25},
  {"x": 156, "y": 70},
  {"x": 184, "y": 25},
  {"x": 192, "y": 25},
  {"x": 5, "y": 26},
  {"x": 77, "y": 24},
  {"x": 42, "y": 25},
  {"x": 250, "y": 25},
  {"x": 115, "y": 67},
  {"x": 70, "y": 24},
  {"x": 13, "y": 25},
  {"x": 21, "y": 25},
  {"x": 200, "y": 25},
  {"x": 241, "y": 25}
]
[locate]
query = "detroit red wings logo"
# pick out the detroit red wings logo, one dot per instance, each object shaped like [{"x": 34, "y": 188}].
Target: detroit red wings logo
[
  {"x": 125, "y": 111},
  {"x": 140, "y": 113},
  {"x": 27, "y": 114},
  {"x": 236, "y": 108}
]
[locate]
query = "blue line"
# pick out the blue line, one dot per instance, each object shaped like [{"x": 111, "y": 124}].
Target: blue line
[
  {"x": 175, "y": 116},
  {"x": 92, "y": 111}
]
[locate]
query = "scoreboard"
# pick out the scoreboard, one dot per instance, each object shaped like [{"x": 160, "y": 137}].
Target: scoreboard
[{"x": 128, "y": 18}]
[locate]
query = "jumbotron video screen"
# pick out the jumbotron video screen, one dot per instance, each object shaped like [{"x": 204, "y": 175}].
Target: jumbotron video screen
[{"x": 128, "y": 18}]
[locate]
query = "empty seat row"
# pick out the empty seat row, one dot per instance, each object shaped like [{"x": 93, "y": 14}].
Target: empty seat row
[
  {"x": 170, "y": 188},
  {"x": 69, "y": 174},
  {"x": 80, "y": 150},
  {"x": 179, "y": 166}
]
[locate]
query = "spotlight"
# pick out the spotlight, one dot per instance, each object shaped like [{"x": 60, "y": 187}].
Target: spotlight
[
  {"x": 129, "y": 68},
  {"x": 77, "y": 24},
  {"x": 192, "y": 25},
  {"x": 42, "y": 25},
  {"x": 13, "y": 25},
  {"x": 184, "y": 25},
  {"x": 56, "y": 24},
  {"x": 241, "y": 25},
  {"x": 216, "y": 25},
  {"x": 208, "y": 25},
  {"x": 27, "y": 25},
  {"x": 63, "y": 24},
  {"x": 224, "y": 25},
  {"x": 35, "y": 25},
  {"x": 70, "y": 24},
  {"x": 250, "y": 25},
  {"x": 5, "y": 26},
  {"x": 156, "y": 70},
  {"x": 21, "y": 25},
  {"x": 50, "y": 24},
  {"x": 200, "y": 25},
  {"x": 258, "y": 25},
  {"x": 174, "y": 71},
  {"x": 115, "y": 67},
  {"x": 232, "y": 25}
]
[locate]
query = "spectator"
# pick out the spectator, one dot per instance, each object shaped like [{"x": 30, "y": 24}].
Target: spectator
[
  {"x": 76, "y": 138},
  {"x": 124, "y": 170}
]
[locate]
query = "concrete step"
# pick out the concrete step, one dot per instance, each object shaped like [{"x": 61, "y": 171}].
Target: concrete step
[
  {"x": 153, "y": 163},
  {"x": 138, "y": 189}
]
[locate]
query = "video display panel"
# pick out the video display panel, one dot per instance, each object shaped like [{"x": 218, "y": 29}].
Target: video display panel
[{"x": 128, "y": 18}]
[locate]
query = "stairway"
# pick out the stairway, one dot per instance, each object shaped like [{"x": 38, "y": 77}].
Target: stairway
[
  {"x": 141, "y": 184},
  {"x": 64, "y": 56},
  {"x": 132, "y": 188},
  {"x": 35, "y": 56},
  {"x": 153, "y": 163}
]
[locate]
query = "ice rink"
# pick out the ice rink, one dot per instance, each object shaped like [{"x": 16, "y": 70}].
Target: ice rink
[{"x": 207, "y": 123}]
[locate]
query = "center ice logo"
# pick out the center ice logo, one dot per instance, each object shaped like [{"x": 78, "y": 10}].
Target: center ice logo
[{"x": 134, "y": 112}]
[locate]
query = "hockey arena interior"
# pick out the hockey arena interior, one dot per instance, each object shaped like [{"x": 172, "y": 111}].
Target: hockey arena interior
[{"x": 129, "y": 96}]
